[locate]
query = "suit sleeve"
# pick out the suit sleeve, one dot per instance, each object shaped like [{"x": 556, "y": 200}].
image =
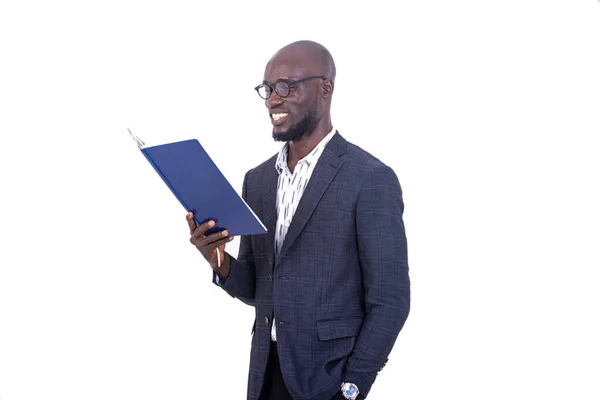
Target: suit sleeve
[
  {"x": 383, "y": 256},
  {"x": 241, "y": 282}
]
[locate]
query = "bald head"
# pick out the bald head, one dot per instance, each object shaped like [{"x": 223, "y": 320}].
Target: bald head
[
  {"x": 304, "y": 72},
  {"x": 310, "y": 56}
]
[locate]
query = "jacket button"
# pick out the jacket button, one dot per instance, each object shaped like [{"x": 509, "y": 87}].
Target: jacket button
[
  {"x": 267, "y": 321},
  {"x": 271, "y": 278}
]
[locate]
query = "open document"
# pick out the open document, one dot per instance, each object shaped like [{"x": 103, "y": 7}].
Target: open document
[{"x": 200, "y": 187}]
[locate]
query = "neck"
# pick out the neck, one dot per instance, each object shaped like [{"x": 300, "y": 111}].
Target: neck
[{"x": 299, "y": 149}]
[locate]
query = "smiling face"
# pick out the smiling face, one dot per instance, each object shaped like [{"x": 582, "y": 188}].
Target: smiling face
[
  {"x": 298, "y": 114},
  {"x": 296, "y": 130}
]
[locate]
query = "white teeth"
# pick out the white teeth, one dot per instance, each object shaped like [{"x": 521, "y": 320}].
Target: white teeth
[{"x": 277, "y": 117}]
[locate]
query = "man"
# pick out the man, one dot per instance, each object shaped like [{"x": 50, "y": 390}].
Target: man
[{"x": 329, "y": 281}]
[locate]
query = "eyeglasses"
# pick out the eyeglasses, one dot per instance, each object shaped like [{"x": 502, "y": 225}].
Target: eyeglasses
[{"x": 282, "y": 88}]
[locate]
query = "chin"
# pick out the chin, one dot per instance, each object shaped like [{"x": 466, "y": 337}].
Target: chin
[
  {"x": 281, "y": 136},
  {"x": 279, "y": 130}
]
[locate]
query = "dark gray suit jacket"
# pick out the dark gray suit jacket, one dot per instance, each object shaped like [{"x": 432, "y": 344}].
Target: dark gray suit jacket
[{"x": 339, "y": 289}]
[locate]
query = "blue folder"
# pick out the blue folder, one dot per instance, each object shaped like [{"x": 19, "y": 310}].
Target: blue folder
[{"x": 194, "y": 179}]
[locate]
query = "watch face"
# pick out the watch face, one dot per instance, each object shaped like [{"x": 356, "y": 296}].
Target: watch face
[{"x": 350, "y": 390}]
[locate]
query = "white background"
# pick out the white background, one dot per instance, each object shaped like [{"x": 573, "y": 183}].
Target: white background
[{"x": 487, "y": 111}]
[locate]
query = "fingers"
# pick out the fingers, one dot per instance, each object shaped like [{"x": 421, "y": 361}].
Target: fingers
[
  {"x": 197, "y": 230},
  {"x": 220, "y": 243},
  {"x": 200, "y": 240},
  {"x": 191, "y": 223},
  {"x": 206, "y": 243},
  {"x": 209, "y": 251}
]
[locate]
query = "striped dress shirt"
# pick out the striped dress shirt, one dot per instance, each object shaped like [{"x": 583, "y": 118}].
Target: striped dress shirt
[{"x": 290, "y": 187}]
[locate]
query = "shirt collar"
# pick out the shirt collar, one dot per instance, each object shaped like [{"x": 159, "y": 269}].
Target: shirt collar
[{"x": 313, "y": 156}]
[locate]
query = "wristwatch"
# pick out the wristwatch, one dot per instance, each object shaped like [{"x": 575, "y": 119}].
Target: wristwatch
[{"x": 349, "y": 390}]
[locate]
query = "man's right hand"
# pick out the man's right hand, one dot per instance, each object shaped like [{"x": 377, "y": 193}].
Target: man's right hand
[{"x": 207, "y": 245}]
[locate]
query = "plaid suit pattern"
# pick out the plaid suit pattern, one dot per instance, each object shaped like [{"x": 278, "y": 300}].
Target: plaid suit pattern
[{"x": 339, "y": 288}]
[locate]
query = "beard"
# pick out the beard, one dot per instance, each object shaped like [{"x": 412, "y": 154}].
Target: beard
[{"x": 299, "y": 129}]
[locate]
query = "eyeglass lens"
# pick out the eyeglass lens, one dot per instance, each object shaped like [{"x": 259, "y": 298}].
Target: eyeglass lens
[{"x": 281, "y": 88}]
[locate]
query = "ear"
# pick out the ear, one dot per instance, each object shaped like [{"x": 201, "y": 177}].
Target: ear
[{"x": 327, "y": 88}]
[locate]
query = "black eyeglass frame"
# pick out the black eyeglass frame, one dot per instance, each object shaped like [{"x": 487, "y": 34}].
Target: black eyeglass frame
[{"x": 290, "y": 85}]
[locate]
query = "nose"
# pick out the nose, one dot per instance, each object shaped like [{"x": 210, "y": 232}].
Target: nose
[{"x": 274, "y": 100}]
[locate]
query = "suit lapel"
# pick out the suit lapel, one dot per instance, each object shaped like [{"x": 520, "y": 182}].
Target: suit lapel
[
  {"x": 326, "y": 169},
  {"x": 269, "y": 196}
]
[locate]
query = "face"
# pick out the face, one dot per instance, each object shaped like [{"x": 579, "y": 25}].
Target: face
[{"x": 296, "y": 115}]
